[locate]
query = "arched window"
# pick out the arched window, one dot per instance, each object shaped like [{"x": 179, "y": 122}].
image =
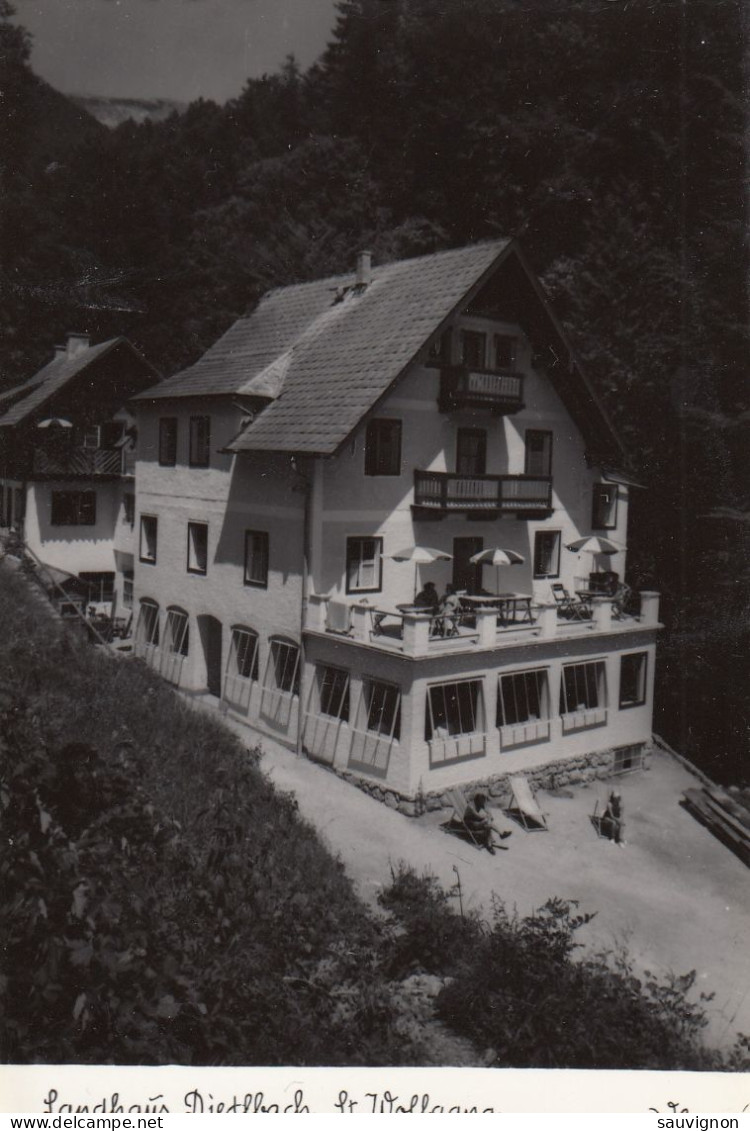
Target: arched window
[
  {"x": 176, "y": 632},
  {"x": 147, "y": 627},
  {"x": 242, "y": 665},
  {"x": 280, "y": 680}
]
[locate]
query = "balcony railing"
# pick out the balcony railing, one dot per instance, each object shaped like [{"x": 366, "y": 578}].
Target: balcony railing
[
  {"x": 80, "y": 461},
  {"x": 497, "y": 391},
  {"x": 444, "y": 493}
]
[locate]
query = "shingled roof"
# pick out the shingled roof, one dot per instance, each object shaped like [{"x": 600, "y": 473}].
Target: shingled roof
[
  {"x": 325, "y": 352},
  {"x": 52, "y": 377}
]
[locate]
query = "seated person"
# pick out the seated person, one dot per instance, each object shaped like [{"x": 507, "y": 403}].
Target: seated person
[
  {"x": 427, "y": 598},
  {"x": 613, "y": 821},
  {"x": 448, "y": 611},
  {"x": 480, "y": 824},
  {"x": 451, "y": 602}
]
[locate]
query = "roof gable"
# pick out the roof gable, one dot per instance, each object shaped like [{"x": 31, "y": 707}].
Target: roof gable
[
  {"x": 55, "y": 375},
  {"x": 325, "y": 353}
]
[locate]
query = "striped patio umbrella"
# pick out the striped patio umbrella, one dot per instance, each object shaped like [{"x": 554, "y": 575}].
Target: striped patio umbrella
[
  {"x": 594, "y": 544},
  {"x": 420, "y": 555},
  {"x": 497, "y": 557}
]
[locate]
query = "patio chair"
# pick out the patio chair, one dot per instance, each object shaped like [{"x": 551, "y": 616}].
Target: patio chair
[
  {"x": 569, "y": 607},
  {"x": 524, "y": 807}
]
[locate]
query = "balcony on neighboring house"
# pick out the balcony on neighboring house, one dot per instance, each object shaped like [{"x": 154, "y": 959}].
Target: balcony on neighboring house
[
  {"x": 499, "y": 392},
  {"x": 85, "y": 462},
  {"x": 439, "y": 493}
]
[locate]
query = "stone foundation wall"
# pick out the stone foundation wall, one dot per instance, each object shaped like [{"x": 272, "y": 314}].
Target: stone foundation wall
[{"x": 550, "y": 776}]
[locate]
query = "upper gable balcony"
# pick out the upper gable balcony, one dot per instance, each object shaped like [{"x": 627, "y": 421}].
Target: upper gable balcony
[
  {"x": 440, "y": 493},
  {"x": 499, "y": 392}
]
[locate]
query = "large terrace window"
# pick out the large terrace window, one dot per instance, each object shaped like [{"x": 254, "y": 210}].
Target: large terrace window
[
  {"x": 377, "y": 728},
  {"x": 583, "y": 695},
  {"x": 147, "y": 626},
  {"x": 454, "y": 721},
  {"x": 523, "y": 708}
]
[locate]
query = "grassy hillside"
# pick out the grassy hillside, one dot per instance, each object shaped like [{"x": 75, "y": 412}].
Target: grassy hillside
[{"x": 160, "y": 903}]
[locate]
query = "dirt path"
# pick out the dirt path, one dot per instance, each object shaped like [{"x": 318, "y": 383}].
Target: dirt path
[{"x": 674, "y": 897}]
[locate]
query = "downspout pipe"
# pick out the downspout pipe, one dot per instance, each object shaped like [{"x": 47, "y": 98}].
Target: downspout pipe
[{"x": 305, "y": 486}]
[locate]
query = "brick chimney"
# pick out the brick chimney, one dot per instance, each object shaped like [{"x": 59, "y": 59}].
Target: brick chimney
[
  {"x": 364, "y": 269},
  {"x": 77, "y": 343}
]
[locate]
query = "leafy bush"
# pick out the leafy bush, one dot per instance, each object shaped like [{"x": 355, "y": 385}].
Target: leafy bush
[{"x": 520, "y": 990}]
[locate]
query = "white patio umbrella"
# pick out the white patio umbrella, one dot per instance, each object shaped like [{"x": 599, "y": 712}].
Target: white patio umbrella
[
  {"x": 420, "y": 555},
  {"x": 54, "y": 422},
  {"x": 497, "y": 557}
]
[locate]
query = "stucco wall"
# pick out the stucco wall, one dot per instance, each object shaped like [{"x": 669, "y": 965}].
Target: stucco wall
[
  {"x": 349, "y": 503},
  {"x": 75, "y": 549},
  {"x": 233, "y": 495},
  {"x": 410, "y": 770}
]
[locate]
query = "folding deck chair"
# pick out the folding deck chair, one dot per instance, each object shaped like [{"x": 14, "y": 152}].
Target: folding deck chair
[
  {"x": 524, "y": 807},
  {"x": 456, "y": 823}
]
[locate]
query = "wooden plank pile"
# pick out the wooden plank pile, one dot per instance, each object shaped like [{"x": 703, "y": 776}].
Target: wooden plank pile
[{"x": 726, "y": 815}]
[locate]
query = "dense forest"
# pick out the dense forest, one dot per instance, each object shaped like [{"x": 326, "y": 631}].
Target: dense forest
[{"x": 608, "y": 136}]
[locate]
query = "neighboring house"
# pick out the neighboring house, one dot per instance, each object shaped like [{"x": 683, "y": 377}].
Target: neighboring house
[
  {"x": 430, "y": 402},
  {"x": 67, "y": 463}
]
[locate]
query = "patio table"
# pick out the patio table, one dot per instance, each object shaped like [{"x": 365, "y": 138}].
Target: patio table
[{"x": 512, "y": 608}]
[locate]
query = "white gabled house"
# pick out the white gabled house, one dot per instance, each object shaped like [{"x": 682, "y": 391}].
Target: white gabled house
[
  {"x": 431, "y": 402},
  {"x": 67, "y": 463}
]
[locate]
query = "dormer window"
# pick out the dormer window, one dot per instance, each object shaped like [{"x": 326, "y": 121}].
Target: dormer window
[
  {"x": 504, "y": 351},
  {"x": 473, "y": 349}
]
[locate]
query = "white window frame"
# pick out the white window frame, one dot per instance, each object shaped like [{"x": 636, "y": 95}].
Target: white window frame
[
  {"x": 457, "y": 737},
  {"x": 642, "y": 680},
  {"x": 576, "y": 709},
  {"x": 276, "y": 699},
  {"x": 147, "y": 625},
  {"x": 554, "y": 556},
  {"x": 197, "y": 555},
  {"x": 604, "y": 506},
  {"x": 144, "y": 555},
  {"x": 532, "y": 728},
  {"x": 257, "y": 554},
  {"x": 370, "y": 748},
  {"x": 357, "y": 578},
  {"x": 244, "y": 646},
  {"x": 127, "y": 588}
]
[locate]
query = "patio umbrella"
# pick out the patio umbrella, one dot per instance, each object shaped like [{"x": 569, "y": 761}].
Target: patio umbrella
[
  {"x": 54, "y": 422},
  {"x": 594, "y": 544},
  {"x": 497, "y": 557},
  {"x": 420, "y": 555}
]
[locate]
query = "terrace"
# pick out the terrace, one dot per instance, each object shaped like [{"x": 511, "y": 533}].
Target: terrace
[{"x": 416, "y": 632}]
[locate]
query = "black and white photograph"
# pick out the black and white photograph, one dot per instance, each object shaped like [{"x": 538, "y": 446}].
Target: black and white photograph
[{"x": 375, "y": 537}]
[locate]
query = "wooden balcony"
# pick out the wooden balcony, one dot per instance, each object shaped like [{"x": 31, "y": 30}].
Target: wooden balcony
[
  {"x": 495, "y": 391},
  {"x": 439, "y": 493},
  {"x": 80, "y": 462}
]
